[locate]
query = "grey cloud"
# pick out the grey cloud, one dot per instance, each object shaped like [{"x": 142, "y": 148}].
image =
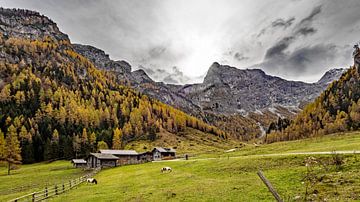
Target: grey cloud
[
  {"x": 310, "y": 58},
  {"x": 306, "y": 31},
  {"x": 283, "y": 23},
  {"x": 240, "y": 56},
  {"x": 278, "y": 49},
  {"x": 303, "y": 28},
  {"x": 171, "y": 76},
  {"x": 157, "y": 51},
  {"x": 316, "y": 11}
]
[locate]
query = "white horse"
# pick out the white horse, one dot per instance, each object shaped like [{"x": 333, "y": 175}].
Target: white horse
[
  {"x": 165, "y": 169},
  {"x": 91, "y": 180}
]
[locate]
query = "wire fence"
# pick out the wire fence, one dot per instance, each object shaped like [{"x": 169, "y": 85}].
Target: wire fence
[{"x": 54, "y": 190}]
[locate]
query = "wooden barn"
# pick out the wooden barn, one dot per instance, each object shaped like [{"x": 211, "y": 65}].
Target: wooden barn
[
  {"x": 96, "y": 160},
  {"x": 145, "y": 157},
  {"x": 160, "y": 153},
  {"x": 125, "y": 157},
  {"x": 79, "y": 163}
]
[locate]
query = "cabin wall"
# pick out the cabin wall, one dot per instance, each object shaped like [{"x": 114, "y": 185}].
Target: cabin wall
[
  {"x": 156, "y": 155},
  {"x": 108, "y": 163},
  {"x": 127, "y": 160}
]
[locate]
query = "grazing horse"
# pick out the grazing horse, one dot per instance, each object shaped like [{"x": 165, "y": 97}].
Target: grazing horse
[
  {"x": 91, "y": 180},
  {"x": 165, "y": 169}
]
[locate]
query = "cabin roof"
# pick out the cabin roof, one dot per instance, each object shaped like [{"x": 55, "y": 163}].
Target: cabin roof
[
  {"x": 104, "y": 156},
  {"x": 118, "y": 152},
  {"x": 164, "y": 150},
  {"x": 78, "y": 161}
]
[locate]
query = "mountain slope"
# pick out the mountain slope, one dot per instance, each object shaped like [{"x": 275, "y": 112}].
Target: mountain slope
[
  {"x": 337, "y": 109},
  {"x": 138, "y": 79},
  {"x": 61, "y": 105}
]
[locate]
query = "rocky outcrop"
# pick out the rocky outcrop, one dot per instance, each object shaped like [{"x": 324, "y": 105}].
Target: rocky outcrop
[
  {"x": 102, "y": 60},
  {"x": 28, "y": 24}
]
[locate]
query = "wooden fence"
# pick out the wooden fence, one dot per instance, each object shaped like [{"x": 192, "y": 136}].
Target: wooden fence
[{"x": 54, "y": 190}]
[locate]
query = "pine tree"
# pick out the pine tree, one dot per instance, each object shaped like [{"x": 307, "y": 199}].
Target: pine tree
[
  {"x": 13, "y": 150},
  {"x": 116, "y": 143},
  {"x": 92, "y": 141},
  {"x": 2, "y": 147}
]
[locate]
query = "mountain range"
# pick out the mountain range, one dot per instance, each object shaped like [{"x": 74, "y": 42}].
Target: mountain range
[{"x": 227, "y": 93}]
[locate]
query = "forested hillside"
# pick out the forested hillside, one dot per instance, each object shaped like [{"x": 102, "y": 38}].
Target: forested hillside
[
  {"x": 58, "y": 105},
  {"x": 337, "y": 109}
]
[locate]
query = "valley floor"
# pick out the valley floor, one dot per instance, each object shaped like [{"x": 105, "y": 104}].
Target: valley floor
[{"x": 216, "y": 177}]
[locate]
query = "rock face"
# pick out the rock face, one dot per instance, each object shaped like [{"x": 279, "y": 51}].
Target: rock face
[
  {"x": 100, "y": 59},
  {"x": 28, "y": 24},
  {"x": 228, "y": 90}
]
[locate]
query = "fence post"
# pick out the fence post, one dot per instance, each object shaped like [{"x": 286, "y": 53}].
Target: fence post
[
  {"x": 56, "y": 190},
  {"x": 46, "y": 192},
  {"x": 70, "y": 184},
  {"x": 269, "y": 186},
  {"x": 63, "y": 188},
  {"x": 33, "y": 197}
]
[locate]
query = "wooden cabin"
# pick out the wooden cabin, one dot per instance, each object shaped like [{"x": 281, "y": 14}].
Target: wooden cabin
[
  {"x": 125, "y": 157},
  {"x": 79, "y": 163},
  {"x": 145, "y": 157},
  {"x": 100, "y": 160},
  {"x": 160, "y": 153}
]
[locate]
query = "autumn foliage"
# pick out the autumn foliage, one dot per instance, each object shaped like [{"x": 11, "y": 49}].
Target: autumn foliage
[
  {"x": 337, "y": 109},
  {"x": 61, "y": 106}
]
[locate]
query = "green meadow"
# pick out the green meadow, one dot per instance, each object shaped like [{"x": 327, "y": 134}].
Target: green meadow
[{"x": 211, "y": 177}]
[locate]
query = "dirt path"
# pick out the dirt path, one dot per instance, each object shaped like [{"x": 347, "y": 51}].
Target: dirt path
[{"x": 275, "y": 154}]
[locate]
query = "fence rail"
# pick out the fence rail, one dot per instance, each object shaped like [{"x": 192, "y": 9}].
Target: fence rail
[{"x": 54, "y": 190}]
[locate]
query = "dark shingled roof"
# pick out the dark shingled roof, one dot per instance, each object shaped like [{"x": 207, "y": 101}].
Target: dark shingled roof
[{"x": 104, "y": 156}]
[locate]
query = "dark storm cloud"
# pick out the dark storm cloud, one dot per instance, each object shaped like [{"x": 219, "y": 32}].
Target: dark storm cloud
[
  {"x": 316, "y": 11},
  {"x": 283, "y": 23},
  {"x": 277, "y": 52},
  {"x": 278, "y": 49},
  {"x": 306, "y": 31},
  {"x": 309, "y": 59}
]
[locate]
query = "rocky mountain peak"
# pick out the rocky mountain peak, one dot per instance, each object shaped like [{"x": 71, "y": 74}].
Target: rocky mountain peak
[
  {"x": 218, "y": 73},
  {"x": 28, "y": 24},
  {"x": 329, "y": 76}
]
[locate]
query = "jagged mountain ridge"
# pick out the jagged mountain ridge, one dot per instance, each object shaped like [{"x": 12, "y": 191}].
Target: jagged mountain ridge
[
  {"x": 228, "y": 90},
  {"x": 225, "y": 89}
]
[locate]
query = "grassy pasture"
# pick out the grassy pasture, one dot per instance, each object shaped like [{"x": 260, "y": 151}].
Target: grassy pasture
[{"x": 217, "y": 179}]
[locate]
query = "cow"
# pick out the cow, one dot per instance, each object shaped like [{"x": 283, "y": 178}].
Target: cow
[
  {"x": 91, "y": 180},
  {"x": 165, "y": 169}
]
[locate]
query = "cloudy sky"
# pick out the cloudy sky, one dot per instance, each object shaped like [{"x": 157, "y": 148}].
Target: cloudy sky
[{"x": 177, "y": 40}]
